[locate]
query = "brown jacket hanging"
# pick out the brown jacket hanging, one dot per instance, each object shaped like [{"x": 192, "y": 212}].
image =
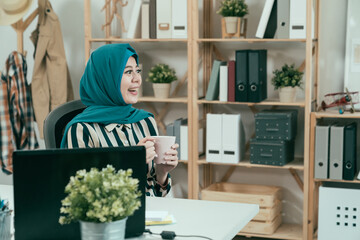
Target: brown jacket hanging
[{"x": 51, "y": 84}]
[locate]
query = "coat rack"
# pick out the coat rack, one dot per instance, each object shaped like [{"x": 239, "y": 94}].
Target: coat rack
[{"x": 20, "y": 26}]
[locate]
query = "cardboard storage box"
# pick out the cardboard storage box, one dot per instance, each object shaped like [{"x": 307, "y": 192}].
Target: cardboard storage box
[{"x": 268, "y": 197}]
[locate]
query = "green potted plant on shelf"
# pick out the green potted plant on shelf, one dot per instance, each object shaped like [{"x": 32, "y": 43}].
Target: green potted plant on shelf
[
  {"x": 287, "y": 80},
  {"x": 232, "y": 11},
  {"x": 101, "y": 201},
  {"x": 161, "y": 75}
]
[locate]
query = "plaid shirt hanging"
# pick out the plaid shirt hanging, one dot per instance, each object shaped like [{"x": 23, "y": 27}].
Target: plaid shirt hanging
[{"x": 16, "y": 113}]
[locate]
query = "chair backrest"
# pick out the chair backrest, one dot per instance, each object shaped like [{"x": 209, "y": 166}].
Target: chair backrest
[{"x": 56, "y": 121}]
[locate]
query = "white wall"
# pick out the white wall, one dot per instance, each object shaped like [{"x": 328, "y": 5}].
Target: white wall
[
  {"x": 332, "y": 49},
  {"x": 71, "y": 17}
]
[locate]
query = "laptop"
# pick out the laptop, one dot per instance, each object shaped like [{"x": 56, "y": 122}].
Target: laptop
[{"x": 40, "y": 177}]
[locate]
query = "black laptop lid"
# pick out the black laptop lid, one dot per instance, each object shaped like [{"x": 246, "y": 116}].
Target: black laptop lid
[{"x": 40, "y": 177}]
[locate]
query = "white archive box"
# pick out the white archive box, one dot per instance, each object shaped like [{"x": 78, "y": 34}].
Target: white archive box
[
  {"x": 179, "y": 18},
  {"x": 213, "y": 137},
  {"x": 225, "y": 138},
  {"x": 233, "y": 138},
  {"x": 163, "y": 19},
  {"x": 339, "y": 216}
]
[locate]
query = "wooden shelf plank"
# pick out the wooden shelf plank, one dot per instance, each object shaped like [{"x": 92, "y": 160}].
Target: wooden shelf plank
[
  {"x": 336, "y": 114},
  {"x": 297, "y": 164},
  {"x": 184, "y": 161},
  {"x": 285, "y": 231},
  {"x": 171, "y": 99},
  {"x": 268, "y": 102},
  {"x": 115, "y": 39},
  {"x": 202, "y": 161},
  {"x": 250, "y": 40},
  {"x": 333, "y": 180}
]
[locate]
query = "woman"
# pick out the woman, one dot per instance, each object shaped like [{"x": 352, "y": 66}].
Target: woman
[{"x": 109, "y": 87}]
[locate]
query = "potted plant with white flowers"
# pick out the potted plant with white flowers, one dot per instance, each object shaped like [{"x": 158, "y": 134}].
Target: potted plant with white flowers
[
  {"x": 101, "y": 201},
  {"x": 287, "y": 80},
  {"x": 232, "y": 11},
  {"x": 161, "y": 75}
]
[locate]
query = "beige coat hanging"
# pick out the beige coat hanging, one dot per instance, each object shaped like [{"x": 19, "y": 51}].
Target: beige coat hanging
[{"x": 51, "y": 84}]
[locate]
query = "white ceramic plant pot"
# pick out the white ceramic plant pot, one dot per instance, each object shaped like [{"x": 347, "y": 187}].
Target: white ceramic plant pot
[
  {"x": 231, "y": 24},
  {"x": 103, "y": 231},
  {"x": 161, "y": 90},
  {"x": 287, "y": 94}
]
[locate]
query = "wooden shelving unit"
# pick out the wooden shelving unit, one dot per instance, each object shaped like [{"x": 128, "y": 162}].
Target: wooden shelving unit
[
  {"x": 249, "y": 40},
  {"x": 171, "y": 99},
  {"x": 335, "y": 114},
  {"x": 201, "y": 47},
  {"x": 297, "y": 164},
  {"x": 185, "y": 44},
  {"x": 267, "y": 102},
  {"x": 313, "y": 182},
  {"x": 204, "y": 46},
  {"x": 285, "y": 231},
  {"x": 126, "y": 40},
  {"x": 342, "y": 181}
]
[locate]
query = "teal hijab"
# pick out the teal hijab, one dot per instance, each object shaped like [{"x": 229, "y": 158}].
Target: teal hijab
[{"x": 100, "y": 88}]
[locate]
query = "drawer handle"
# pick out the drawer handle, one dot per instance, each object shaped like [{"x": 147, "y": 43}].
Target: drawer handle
[
  {"x": 265, "y": 155},
  {"x": 272, "y": 129}
]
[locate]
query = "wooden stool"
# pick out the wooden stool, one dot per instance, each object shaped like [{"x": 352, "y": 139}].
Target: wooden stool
[{"x": 238, "y": 33}]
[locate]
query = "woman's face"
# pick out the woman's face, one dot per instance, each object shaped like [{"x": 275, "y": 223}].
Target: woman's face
[{"x": 130, "y": 82}]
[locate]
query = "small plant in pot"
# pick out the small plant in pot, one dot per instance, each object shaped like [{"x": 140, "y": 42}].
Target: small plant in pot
[
  {"x": 231, "y": 10},
  {"x": 161, "y": 75},
  {"x": 101, "y": 201},
  {"x": 287, "y": 79}
]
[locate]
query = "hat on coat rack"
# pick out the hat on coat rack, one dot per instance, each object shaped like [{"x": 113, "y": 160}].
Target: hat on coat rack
[{"x": 12, "y": 11}]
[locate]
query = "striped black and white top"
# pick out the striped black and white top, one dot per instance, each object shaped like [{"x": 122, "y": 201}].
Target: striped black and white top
[{"x": 84, "y": 135}]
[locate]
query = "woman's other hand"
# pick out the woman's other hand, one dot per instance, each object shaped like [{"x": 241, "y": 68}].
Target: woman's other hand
[
  {"x": 171, "y": 161},
  {"x": 148, "y": 142}
]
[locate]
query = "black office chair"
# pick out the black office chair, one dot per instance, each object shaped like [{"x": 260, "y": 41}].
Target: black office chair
[{"x": 56, "y": 121}]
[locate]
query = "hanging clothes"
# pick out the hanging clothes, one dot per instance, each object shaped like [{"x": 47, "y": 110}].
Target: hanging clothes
[
  {"x": 16, "y": 113},
  {"x": 51, "y": 84}
]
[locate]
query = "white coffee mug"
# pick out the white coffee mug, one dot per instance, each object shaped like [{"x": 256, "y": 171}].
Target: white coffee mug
[{"x": 162, "y": 145}]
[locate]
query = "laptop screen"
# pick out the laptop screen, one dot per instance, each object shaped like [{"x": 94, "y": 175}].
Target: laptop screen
[{"x": 40, "y": 177}]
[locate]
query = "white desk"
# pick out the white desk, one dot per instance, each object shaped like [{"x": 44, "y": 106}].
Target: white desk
[{"x": 215, "y": 220}]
